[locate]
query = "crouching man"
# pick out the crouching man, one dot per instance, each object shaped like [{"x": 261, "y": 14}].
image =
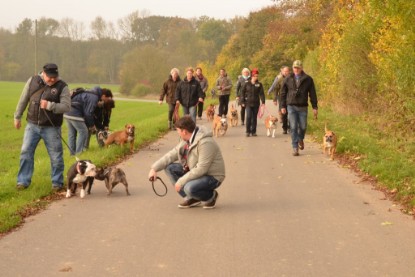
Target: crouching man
[{"x": 195, "y": 165}]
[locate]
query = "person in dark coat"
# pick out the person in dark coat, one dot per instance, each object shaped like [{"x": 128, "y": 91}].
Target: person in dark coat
[{"x": 169, "y": 91}]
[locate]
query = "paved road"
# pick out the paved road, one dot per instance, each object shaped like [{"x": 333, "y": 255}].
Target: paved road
[{"x": 277, "y": 215}]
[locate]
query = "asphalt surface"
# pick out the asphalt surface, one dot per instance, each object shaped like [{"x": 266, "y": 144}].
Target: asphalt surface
[{"x": 277, "y": 215}]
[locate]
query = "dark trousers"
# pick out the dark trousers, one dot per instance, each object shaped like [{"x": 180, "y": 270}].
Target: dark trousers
[
  {"x": 199, "y": 109},
  {"x": 171, "y": 111},
  {"x": 251, "y": 119},
  {"x": 223, "y": 105},
  {"x": 242, "y": 114}
]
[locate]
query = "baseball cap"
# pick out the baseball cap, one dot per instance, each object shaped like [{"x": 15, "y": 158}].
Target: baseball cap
[
  {"x": 298, "y": 63},
  {"x": 51, "y": 70}
]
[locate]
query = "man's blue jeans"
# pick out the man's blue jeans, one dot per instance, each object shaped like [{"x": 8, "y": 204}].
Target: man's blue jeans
[
  {"x": 77, "y": 135},
  {"x": 52, "y": 140},
  {"x": 190, "y": 111},
  {"x": 199, "y": 189},
  {"x": 297, "y": 116}
]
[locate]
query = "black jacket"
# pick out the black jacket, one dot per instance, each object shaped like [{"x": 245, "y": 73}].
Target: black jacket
[
  {"x": 251, "y": 94},
  {"x": 189, "y": 92},
  {"x": 294, "y": 95}
]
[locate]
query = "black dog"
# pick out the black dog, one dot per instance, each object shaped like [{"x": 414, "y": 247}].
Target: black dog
[
  {"x": 112, "y": 176},
  {"x": 81, "y": 172}
]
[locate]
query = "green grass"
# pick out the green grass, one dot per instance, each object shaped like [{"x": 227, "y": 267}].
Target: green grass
[
  {"x": 385, "y": 156},
  {"x": 149, "y": 119}
]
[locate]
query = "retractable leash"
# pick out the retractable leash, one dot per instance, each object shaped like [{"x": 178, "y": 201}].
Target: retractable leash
[{"x": 152, "y": 180}]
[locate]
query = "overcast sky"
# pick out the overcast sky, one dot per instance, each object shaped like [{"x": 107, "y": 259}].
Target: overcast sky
[{"x": 13, "y": 12}]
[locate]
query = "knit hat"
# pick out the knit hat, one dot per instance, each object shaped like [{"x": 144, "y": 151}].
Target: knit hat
[{"x": 254, "y": 72}]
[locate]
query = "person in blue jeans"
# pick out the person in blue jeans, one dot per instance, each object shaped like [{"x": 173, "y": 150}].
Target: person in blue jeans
[
  {"x": 195, "y": 165},
  {"x": 297, "y": 88},
  {"x": 48, "y": 98}
]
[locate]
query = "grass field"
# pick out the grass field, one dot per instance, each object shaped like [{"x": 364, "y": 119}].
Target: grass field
[{"x": 149, "y": 119}]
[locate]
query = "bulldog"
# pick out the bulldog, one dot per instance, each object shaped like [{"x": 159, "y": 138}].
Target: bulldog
[
  {"x": 210, "y": 112},
  {"x": 112, "y": 176},
  {"x": 81, "y": 172},
  {"x": 122, "y": 137},
  {"x": 233, "y": 116},
  {"x": 271, "y": 125},
  {"x": 220, "y": 126},
  {"x": 329, "y": 142}
]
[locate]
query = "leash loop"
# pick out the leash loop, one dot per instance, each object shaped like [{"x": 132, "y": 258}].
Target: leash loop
[{"x": 152, "y": 180}]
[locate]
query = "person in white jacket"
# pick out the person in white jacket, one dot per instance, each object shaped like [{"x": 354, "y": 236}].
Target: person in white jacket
[{"x": 195, "y": 165}]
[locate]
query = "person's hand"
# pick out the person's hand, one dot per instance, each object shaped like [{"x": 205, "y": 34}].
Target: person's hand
[
  {"x": 17, "y": 124},
  {"x": 237, "y": 99},
  {"x": 201, "y": 100},
  {"x": 243, "y": 105},
  {"x": 315, "y": 112},
  {"x": 152, "y": 175},
  {"x": 177, "y": 102},
  {"x": 283, "y": 111},
  {"x": 275, "y": 103},
  {"x": 43, "y": 104},
  {"x": 177, "y": 187}
]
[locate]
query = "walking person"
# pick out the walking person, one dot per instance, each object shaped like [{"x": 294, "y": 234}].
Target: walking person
[
  {"x": 80, "y": 119},
  {"x": 276, "y": 87},
  {"x": 168, "y": 91},
  {"x": 244, "y": 78},
  {"x": 195, "y": 165},
  {"x": 204, "y": 85},
  {"x": 223, "y": 86},
  {"x": 296, "y": 90},
  {"x": 251, "y": 97},
  {"x": 48, "y": 98},
  {"x": 189, "y": 93}
]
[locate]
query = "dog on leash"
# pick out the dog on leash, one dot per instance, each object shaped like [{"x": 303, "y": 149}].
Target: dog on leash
[
  {"x": 271, "y": 125},
  {"x": 210, "y": 112},
  {"x": 112, "y": 176},
  {"x": 329, "y": 142},
  {"x": 81, "y": 172},
  {"x": 219, "y": 126},
  {"x": 122, "y": 137},
  {"x": 233, "y": 116}
]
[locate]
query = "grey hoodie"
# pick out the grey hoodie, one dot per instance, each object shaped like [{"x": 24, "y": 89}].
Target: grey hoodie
[{"x": 204, "y": 158}]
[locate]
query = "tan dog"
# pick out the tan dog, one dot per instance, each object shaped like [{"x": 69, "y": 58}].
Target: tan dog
[
  {"x": 219, "y": 126},
  {"x": 271, "y": 125},
  {"x": 210, "y": 112},
  {"x": 233, "y": 116},
  {"x": 329, "y": 142},
  {"x": 121, "y": 137}
]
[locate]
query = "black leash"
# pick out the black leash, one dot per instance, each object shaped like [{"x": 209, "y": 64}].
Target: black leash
[
  {"x": 60, "y": 136},
  {"x": 152, "y": 180}
]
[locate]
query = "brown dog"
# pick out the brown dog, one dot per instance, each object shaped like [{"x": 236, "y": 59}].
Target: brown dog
[
  {"x": 329, "y": 142},
  {"x": 271, "y": 125},
  {"x": 233, "y": 116},
  {"x": 121, "y": 137},
  {"x": 219, "y": 126},
  {"x": 210, "y": 112}
]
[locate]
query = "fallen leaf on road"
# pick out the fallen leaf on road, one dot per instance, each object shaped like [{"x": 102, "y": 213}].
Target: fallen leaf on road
[{"x": 386, "y": 223}]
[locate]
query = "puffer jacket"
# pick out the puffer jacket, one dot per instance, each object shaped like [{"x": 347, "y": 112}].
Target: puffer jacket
[
  {"x": 189, "y": 92},
  {"x": 294, "y": 95},
  {"x": 204, "y": 158}
]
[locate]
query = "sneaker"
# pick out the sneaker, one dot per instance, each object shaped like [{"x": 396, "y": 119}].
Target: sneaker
[
  {"x": 21, "y": 187},
  {"x": 212, "y": 203},
  {"x": 243, "y": 123},
  {"x": 254, "y": 135},
  {"x": 248, "y": 134},
  {"x": 295, "y": 152},
  {"x": 189, "y": 203},
  {"x": 284, "y": 132},
  {"x": 57, "y": 188},
  {"x": 301, "y": 144}
]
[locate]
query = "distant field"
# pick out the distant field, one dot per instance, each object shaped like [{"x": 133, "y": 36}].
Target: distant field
[{"x": 149, "y": 119}]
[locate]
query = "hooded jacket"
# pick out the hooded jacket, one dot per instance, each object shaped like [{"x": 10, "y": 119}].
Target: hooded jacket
[{"x": 204, "y": 158}]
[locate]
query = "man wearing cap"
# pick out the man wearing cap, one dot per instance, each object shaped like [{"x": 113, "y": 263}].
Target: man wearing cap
[
  {"x": 296, "y": 90},
  {"x": 48, "y": 98}
]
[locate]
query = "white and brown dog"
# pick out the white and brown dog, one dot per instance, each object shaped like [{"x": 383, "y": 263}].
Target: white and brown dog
[
  {"x": 329, "y": 142},
  {"x": 81, "y": 172},
  {"x": 233, "y": 116},
  {"x": 219, "y": 126},
  {"x": 271, "y": 125},
  {"x": 122, "y": 137}
]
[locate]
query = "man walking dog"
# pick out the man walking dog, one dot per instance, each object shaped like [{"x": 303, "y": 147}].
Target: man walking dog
[
  {"x": 48, "y": 98},
  {"x": 195, "y": 165}
]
